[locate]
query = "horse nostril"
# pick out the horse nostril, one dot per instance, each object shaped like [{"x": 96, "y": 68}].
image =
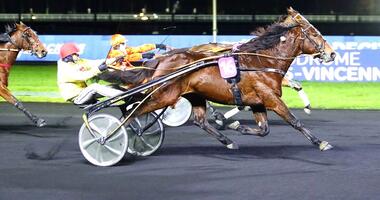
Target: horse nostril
[{"x": 332, "y": 55}]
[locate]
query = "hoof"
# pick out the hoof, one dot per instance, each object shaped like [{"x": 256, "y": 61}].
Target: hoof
[
  {"x": 307, "y": 110},
  {"x": 40, "y": 122},
  {"x": 325, "y": 146},
  {"x": 234, "y": 125},
  {"x": 232, "y": 146}
]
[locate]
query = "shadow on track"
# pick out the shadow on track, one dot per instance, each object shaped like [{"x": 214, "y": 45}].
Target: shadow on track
[{"x": 285, "y": 152}]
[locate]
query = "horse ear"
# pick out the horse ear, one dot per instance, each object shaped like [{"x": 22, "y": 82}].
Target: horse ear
[
  {"x": 17, "y": 24},
  {"x": 22, "y": 24},
  {"x": 291, "y": 10}
]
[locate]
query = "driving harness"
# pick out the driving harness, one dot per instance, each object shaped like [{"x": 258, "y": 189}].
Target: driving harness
[{"x": 230, "y": 70}]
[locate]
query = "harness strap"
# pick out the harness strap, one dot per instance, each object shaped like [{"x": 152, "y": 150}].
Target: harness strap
[
  {"x": 236, "y": 92},
  {"x": 234, "y": 80},
  {"x": 273, "y": 70}
]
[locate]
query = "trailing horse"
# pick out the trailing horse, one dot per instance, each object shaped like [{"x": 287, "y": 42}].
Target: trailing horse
[{"x": 16, "y": 38}]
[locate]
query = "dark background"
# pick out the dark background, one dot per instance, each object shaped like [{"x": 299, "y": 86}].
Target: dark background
[{"x": 189, "y": 7}]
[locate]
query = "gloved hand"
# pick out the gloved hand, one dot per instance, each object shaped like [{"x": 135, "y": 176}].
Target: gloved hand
[
  {"x": 119, "y": 59},
  {"x": 103, "y": 67},
  {"x": 148, "y": 55},
  {"x": 161, "y": 46}
]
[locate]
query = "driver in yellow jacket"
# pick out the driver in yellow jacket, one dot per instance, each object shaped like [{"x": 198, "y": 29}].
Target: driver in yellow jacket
[
  {"x": 123, "y": 54},
  {"x": 74, "y": 72}
]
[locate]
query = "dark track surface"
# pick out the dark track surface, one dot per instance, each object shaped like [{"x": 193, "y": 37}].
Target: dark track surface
[{"x": 191, "y": 164}]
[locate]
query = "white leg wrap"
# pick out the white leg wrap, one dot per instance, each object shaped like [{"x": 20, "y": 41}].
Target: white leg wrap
[
  {"x": 231, "y": 113},
  {"x": 234, "y": 125},
  {"x": 304, "y": 98}
]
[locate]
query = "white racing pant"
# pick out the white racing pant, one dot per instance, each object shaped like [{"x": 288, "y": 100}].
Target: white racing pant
[{"x": 91, "y": 91}]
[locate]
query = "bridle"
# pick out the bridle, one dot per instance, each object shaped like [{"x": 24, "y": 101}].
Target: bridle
[
  {"x": 319, "y": 47},
  {"x": 32, "y": 44}
]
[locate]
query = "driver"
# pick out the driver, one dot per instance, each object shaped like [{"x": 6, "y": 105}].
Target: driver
[
  {"x": 74, "y": 74},
  {"x": 123, "y": 55}
]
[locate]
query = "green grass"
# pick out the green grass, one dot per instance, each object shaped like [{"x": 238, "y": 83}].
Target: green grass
[
  {"x": 42, "y": 80},
  {"x": 35, "y": 78},
  {"x": 337, "y": 95}
]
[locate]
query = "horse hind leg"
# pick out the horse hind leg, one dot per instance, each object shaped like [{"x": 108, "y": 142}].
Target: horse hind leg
[
  {"x": 199, "y": 110},
  {"x": 5, "y": 93},
  {"x": 260, "y": 114}
]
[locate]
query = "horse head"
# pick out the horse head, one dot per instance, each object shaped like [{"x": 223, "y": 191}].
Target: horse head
[
  {"x": 311, "y": 40},
  {"x": 23, "y": 37}
]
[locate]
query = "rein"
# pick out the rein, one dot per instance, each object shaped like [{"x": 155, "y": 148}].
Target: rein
[
  {"x": 273, "y": 57},
  {"x": 11, "y": 49},
  {"x": 273, "y": 70},
  {"x": 229, "y": 54}
]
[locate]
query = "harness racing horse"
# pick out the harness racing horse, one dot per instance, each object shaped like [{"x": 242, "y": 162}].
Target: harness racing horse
[
  {"x": 263, "y": 63},
  {"x": 221, "y": 119},
  {"x": 228, "y": 47},
  {"x": 16, "y": 38}
]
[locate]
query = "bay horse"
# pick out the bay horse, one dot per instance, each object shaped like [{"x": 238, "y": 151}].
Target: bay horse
[
  {"x": 260, "y": 89},
  {"x": 220, "y": 118},
  {"x": 16, "y": 38}
]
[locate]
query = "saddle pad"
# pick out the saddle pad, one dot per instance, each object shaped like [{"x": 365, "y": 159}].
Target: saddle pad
[{"x": 227, "y": 67}]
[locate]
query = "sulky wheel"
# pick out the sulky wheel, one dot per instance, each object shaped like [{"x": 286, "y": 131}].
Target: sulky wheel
[
  {"x": 96, "y": 148},
  {"x": 147, "y": 142},
  {"x": 177, "y": 115}
]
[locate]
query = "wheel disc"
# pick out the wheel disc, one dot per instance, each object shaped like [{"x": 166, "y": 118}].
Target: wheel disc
[
  {"x": 149, "y": 141},
  {"x": 178, "y": 115},
  {"x": 113, "y": 149}
]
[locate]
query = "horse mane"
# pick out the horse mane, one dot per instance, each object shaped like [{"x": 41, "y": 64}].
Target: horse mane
[
  {"x": 10, "y": 28},
  {"x": 267, "y": 37},
  {"x": 4, "y": 37}
]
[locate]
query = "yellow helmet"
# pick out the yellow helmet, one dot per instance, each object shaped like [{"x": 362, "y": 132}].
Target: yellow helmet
[{"x": 117, "y": 39}]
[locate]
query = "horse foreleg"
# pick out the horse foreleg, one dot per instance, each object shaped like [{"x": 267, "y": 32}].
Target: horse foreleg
[
  {"x": 298, "y": 88},
  {"x": 6, "y": 94},
  {"x": 39, "y": 122},
  {"x": 199, "y": 110},
  {"x": 282, "y": 110},
  {"x": 260, "y": 114}
]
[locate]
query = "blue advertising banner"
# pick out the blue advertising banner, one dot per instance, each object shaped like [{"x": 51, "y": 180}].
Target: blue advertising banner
[
  {"x": 357, "y": 56},
  {"x": 357, "y": 60}
]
